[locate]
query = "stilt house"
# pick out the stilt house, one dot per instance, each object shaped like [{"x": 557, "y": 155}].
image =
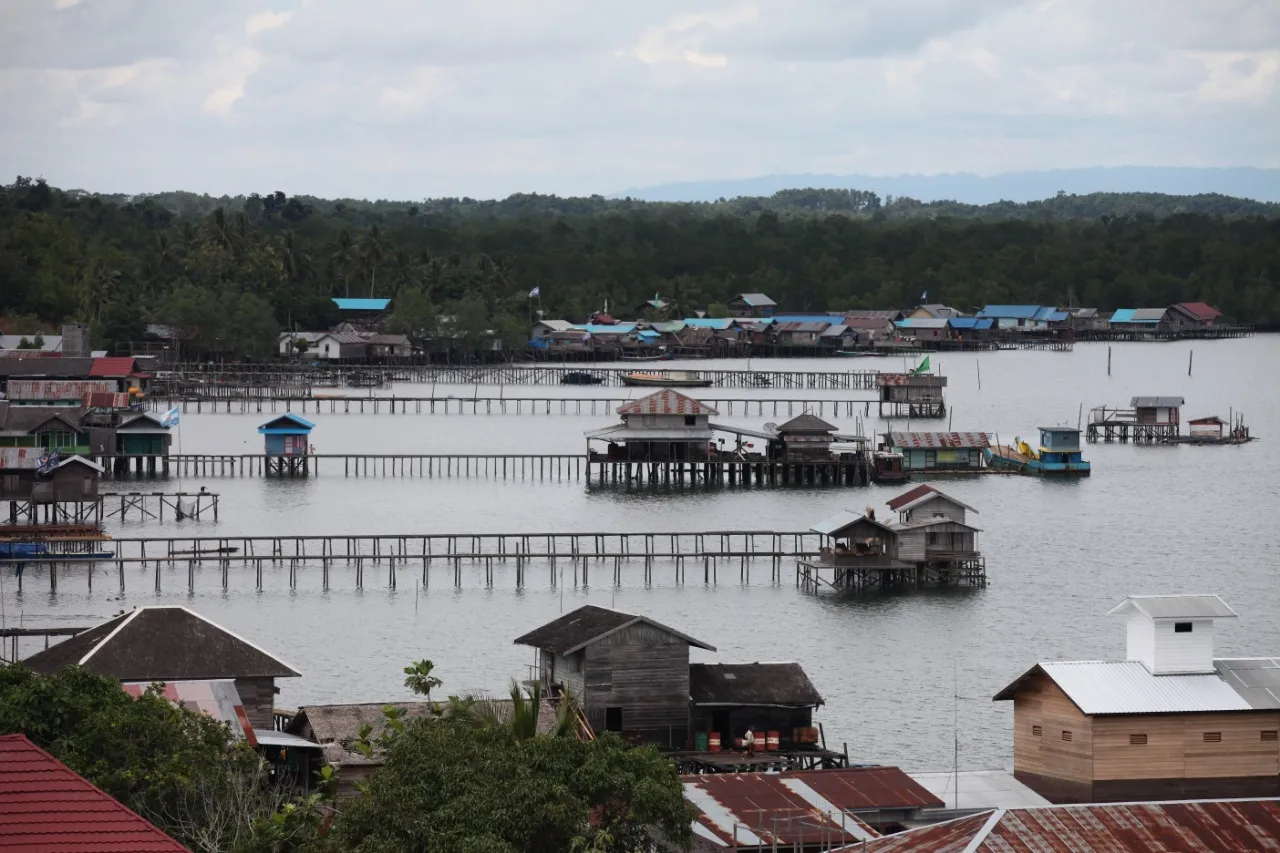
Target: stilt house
[
  {"x": 729, "y": 698},
  {"x": 665, "y": 426}
]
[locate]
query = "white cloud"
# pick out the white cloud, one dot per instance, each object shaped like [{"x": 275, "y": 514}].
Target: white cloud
[
  {"x": 260, "y": 22},
  {"x": 424, "y": 97}
]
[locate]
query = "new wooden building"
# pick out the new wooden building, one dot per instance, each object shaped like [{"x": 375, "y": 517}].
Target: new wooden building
[
  {"x": 1169, "y": 722},
  {"x": 172, "y": 643},
  {"x": 629, "y": 673}
]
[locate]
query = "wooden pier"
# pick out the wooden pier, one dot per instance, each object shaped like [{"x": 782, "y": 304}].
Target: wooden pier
[
  {"x": 725, "y": 469},
  {"x": 297, "y": 380},
  {"x": 88, "y": 511},
  {"x": 452, "y": 405},
  {"x": 556, "y": 553},
  {"x": 13, "y": 653}
]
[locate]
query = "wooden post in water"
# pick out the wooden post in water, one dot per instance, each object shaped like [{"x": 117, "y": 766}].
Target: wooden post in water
[
  {"x": 1108, "y": 359},
  {"x": 1190, "y": 358}
]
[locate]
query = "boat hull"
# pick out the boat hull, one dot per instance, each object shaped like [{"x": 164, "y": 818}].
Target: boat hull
[
  {"x": 660, "y": 382},
  {"x": 1001, "y": 458}
]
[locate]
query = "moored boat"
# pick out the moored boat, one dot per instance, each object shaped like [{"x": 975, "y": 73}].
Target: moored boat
[
  {"x": 1059, "y": 454},
  {"x": 669, "y": 379}
]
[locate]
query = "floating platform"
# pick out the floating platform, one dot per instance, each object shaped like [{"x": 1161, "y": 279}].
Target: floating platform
[{"x": 1002, "y": 456}]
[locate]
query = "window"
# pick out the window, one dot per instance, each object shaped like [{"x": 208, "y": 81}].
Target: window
[
  {"x": 1066, "y": 735},
  {"x": 1269, "y": 734},
  {"x": 11, "y": 482},
  {"x": 1213, "y": 737},
  {"x": 1036, "y": 731},
  {"x": 690, "y": 420},
  {"x": 1182, "y": 627},
  {"x": 1138, "y": 740},
  {"x": 613, "y": 719}
]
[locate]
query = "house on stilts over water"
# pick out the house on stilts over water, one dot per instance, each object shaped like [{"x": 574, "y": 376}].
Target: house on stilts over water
[{"x": 931, "y": 544}]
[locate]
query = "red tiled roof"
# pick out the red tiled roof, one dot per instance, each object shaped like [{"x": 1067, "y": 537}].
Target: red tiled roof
[
  {"x": 666, "y": 402},
  {"x": 1223, "y": 826},
  {"x": 121, "y": 365},
  {"x": 46, "y": 807},
  {"x": 907, "y": 497},
  {"x": 1199, "y": 310}
]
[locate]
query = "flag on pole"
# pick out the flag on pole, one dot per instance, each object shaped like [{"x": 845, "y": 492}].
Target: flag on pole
[
  {"x": 922, "y": 368},
  {"x": 924, "y": 296},
  {"x": 170, "y": 418},
  {"x": 537, "y": 291}
]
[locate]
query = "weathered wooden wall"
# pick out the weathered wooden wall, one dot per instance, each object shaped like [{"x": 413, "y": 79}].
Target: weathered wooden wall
[
  {"x": 645, "y": 672},
  {"x": 259, "y": 698}
]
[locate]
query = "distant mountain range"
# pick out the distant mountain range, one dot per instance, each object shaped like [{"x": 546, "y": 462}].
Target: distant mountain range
[{"x": 1240, "y": 182}]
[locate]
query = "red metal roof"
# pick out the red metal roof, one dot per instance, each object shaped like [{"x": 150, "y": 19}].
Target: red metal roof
[
  {"x": 1199, "y": 310},
  {"x": 940, "y": 439},
  {"x": 46, "y": 807},
  {"x": 907, "y": 497},
  {"x": 114, "y": 366},
  {"x": 1223, "y": 826},
  {"x": 760, "y": 806},
  {"x": 666, "y": 402},
  {"x": 864, "y": 788}
]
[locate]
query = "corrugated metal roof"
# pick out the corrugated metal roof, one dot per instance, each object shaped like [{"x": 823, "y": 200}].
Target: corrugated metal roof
[
  {"x": 939, "y": 439},
  {"x": 555, "y": 325},
  {"x": 286, "y": 424},
  {"x": 1257, "y": 680},
  {"x": 1128, "y": 687},
  {"x": 1220, "y": 826},
  {"x": 608, "y": 329},
  {"x": 1049, "y": 314},
  {"x": 352, "y": 304},
  {"x": 622, "y": 432},
  {"x": 1010, "y": 312},
  {"x": 921, "y": 495},
  {"x": 668, "y": 401},
  {"x": 1177, "y": 606},
  {"x": 754, "y": 809},
  {"x": 717, "y": 323},
  {"x": 1199, "y": 310},
  {"x": 113, "y": 367},
  {"x": 834, "y": 525},
  {"x": 923, "y": 323},
  {"x": 1138, "y": 315},
  {"x": 216, "y": 697},
  {"x": 756, "y": 300},
  {"x": 46, "y": 807},
  {"x": 869, "y": 788},
  {"x": 1157, "y": 402},
  {"x": 865, "y": 323},
  {"x": 834, "y": 331},
  {"x": 979, "y": 323},
  {"x": 781, "y": 685},
  {"x": 49, "y": 343}
]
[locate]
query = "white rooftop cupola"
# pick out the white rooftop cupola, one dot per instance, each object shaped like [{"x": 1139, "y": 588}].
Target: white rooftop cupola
[{"x": 1172, "y": 634}]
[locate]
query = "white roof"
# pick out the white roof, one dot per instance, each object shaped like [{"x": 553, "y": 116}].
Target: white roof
[
  {"x": 979, "y": 790},
  {"x": 1176, "y": 607},
  {"x": 50, "y": 343},
  {"x": 1128, "y": 687},
  {"x": 555, "y": 325},
  {"x": 623, "y": 432}
]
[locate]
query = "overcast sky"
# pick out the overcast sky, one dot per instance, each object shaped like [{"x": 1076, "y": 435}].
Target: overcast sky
[{"x": 420, "y": 98}]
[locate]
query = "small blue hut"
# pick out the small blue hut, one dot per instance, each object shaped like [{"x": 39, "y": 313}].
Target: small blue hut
[{"x": 287, "y": 444}]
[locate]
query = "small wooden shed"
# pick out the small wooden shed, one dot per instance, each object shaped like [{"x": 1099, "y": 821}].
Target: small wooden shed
[
  {"x": 286, "y": 435},
  {"x": 806, "y": 438},
  {"x": 143, "y": 435},
  {"x": 729, "y": 698}
]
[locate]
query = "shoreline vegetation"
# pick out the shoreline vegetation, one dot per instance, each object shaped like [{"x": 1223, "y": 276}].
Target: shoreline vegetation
[{"x": 239, "y": 270}]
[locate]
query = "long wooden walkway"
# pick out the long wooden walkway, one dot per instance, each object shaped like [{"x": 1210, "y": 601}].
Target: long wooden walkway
[
  {"x": 397, "y": 405},
  {"x": 725, "y": 469},
  {"x": 281, "y": 379},
  {"x": 480, "y": 556}
]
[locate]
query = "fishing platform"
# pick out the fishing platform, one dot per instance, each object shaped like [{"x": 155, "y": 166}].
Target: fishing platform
[
  {"x": 714, "y": 551},
  {"x": 1148, "y": 419},
  {"x": 911, "y": 395}
]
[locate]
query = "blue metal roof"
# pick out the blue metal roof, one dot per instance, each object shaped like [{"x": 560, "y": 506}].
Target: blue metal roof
[
  {"x": 1010, "y": 312},
  {"x": 287, "y": 424},
  {"x": 345, "y": 304},
  {"x": 806, "y": 318},
  {"x": 649, "y": 334},
  {"x": 922, "y": 323},
  {"x": 1051, "y": 315},
  {"x": 604, "y": 329},
  {"x": 978, "y": 323},
  {"x": 1128, "y": 315}
]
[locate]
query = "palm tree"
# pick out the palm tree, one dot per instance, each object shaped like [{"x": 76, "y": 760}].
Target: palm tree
[
  {"x": 372, "y": 253},
  {"x": 521, "y": 715},
  {"x": 296, "y": 263},
  {"x": 344, "y": 258}
]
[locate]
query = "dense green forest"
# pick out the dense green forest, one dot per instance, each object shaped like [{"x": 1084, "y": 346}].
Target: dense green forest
[{"x": 239, "y": 269}]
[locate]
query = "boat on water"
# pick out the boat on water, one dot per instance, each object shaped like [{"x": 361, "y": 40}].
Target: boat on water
[
  {"x": 1059, "y": 454},
  {"x": 888, "y": 467},
  {"x": 669, "y": 379},
  {"x": 656, "y": 357}
]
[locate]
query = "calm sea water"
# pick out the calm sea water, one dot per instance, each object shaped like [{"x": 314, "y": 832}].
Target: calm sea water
[{"x": 1059, "y": 554}]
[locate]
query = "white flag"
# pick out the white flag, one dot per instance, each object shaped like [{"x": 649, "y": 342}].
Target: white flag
[
  {"x": 537, "y": 291},
  {"x": 924, "y": 296},
  {"x": 170, "y": 418}
]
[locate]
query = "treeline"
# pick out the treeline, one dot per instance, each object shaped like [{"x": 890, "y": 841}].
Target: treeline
[{"x": 241, "y": 272}]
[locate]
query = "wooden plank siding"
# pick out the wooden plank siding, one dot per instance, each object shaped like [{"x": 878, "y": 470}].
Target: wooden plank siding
[
  {"x": 645, "y": 672},
  {"x": 258, "y": 695},
  {"x": 1140, "y": 756}
]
